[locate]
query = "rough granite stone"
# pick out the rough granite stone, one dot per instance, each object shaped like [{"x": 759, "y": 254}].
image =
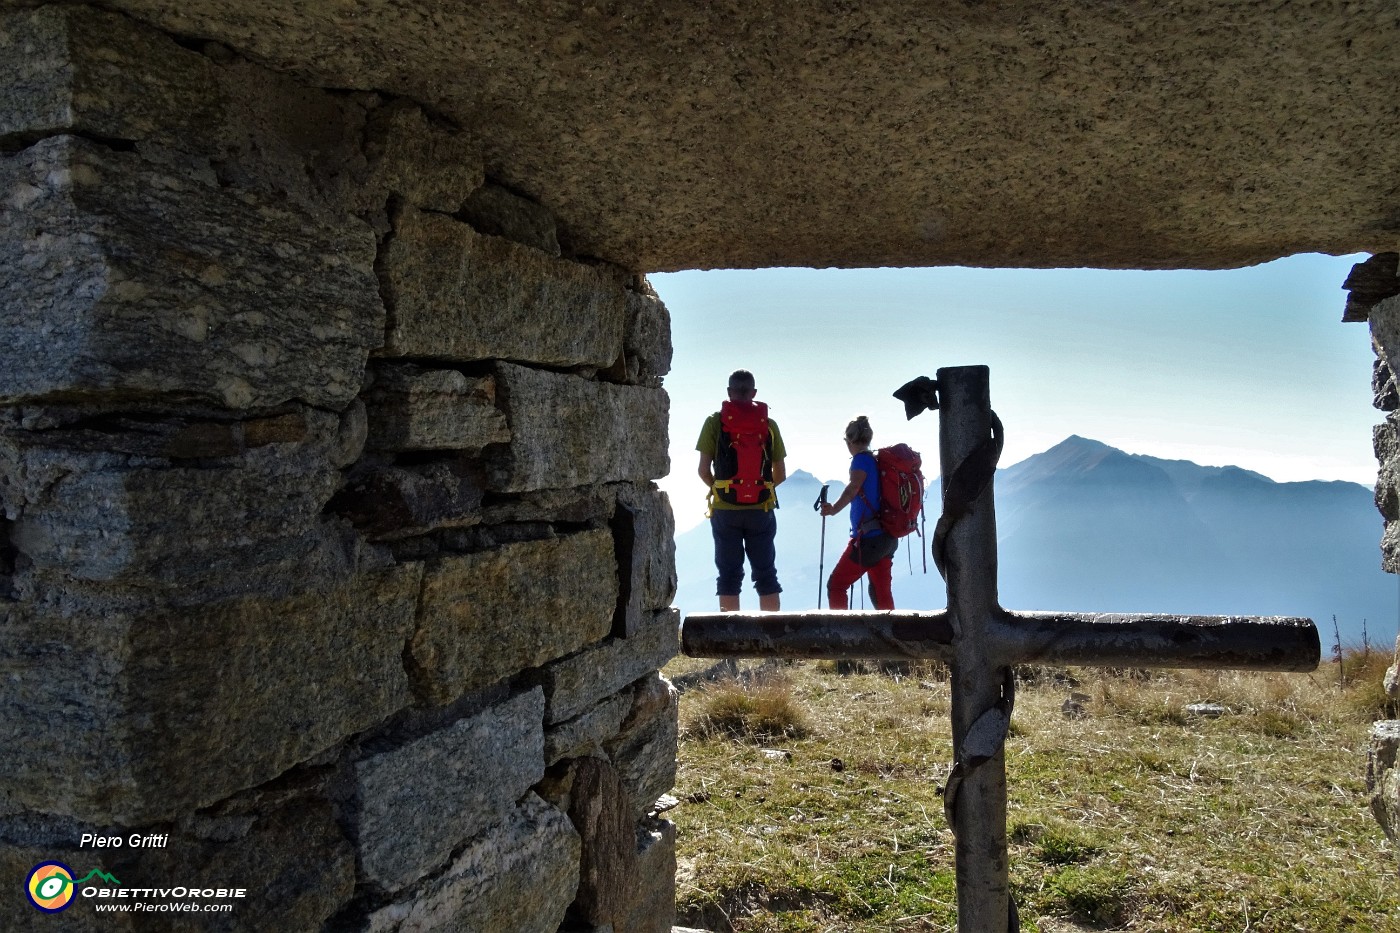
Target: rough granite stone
[
  {"x": 648, "y": 341},
  {"x": 520, "y": 875},
  {"x": 1392, "y": 675},
  {"x": 128, "y": 282},
  {"x": 644, "y": 751},
  {"x": 197, "y": 504},
  {"x": 680, "y": 136},
  {"x": 1386, "y": 442},
  {"x": 653, "y": 903},
  {"x": 78, "y": 70},
  {"x": 455, "y": 294},
  {"x": 530, "y": 602},
  {"x": 599, "y": 809},
  {"x": 644, "y": 531},
  {"x": 413, "y": 408},
  {"x": 585, "y": 733},
  {"x": 398, "y": 502},
  {"x": 498, "y": 211},
  {"x": 419, "y": 159},
  {"x": 1383, "y": 777},
  {"x": 575, "y": 683},
  {"x": 291, "y": 853},
  {"x": 418, "y": 803},
  {"x": 18, "y": 859},
  {"x": 567, "y": 431},
  {"x": 121, "y": 710}
]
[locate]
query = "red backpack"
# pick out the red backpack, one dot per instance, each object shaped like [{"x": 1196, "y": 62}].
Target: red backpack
[
  {"x": 741, "y": 466},
  {"x": 901, "y": 489}
]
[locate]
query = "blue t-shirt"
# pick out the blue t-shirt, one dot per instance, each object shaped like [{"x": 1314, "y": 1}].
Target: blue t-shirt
[{"x": 867, "y": 504}]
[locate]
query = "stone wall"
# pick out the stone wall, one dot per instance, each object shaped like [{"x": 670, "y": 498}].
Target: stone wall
[
  {"x": 329, "y": 551},
  {"x": 1374, "y": 296}
]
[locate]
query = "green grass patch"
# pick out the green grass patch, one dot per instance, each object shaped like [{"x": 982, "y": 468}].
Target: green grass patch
[{"x": 811, "y": 801}]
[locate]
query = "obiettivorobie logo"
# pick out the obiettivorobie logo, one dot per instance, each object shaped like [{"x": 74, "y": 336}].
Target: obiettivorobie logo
[{"x": 51, "y": 886}]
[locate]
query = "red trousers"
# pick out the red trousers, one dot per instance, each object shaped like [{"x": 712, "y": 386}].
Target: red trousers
[{"x": 848, "y": 570}]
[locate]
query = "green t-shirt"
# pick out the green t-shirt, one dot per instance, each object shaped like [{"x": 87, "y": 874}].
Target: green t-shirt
[{"x": 708, "y": 444}]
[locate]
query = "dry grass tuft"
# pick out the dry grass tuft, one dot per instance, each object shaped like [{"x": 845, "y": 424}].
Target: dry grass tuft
[{"x": 765, "y": 711}]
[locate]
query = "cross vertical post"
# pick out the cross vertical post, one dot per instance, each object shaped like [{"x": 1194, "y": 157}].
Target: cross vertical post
[{"x": 980, "y": 678}]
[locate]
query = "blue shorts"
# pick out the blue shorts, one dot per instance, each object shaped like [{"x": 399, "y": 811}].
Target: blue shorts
[{"x": 740, "y": 532}]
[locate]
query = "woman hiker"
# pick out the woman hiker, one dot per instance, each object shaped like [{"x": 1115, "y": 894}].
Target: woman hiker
[{"x": 870, "y": 549}]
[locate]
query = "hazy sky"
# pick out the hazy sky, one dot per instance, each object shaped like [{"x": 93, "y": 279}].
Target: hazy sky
[{"x": 1250, "y": 367}]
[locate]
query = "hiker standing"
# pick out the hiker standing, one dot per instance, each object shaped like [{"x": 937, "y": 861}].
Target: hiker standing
[
  {"x": 741, "y": 462},
  {"x": 870, "y": 549}
]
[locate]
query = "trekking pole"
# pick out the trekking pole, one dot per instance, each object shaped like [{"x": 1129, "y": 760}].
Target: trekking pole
[{"x": 821, "y": 560}]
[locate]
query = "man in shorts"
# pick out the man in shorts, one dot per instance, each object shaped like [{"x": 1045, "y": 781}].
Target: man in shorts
[{"x": 741, "y": 462}]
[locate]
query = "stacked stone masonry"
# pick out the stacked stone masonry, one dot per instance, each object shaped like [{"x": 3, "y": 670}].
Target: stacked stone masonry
[
  {"x": 1374, "y": 297},
  {"x": 329, "y": 547}
]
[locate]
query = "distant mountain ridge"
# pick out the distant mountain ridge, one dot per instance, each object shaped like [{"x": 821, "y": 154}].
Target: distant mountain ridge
[{"x": 1086, "y": 527}]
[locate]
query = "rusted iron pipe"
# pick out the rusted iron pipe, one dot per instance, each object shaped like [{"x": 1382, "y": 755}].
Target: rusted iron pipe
[
  {"x": 1246, "y": 643},
  {"x": 878, "y": 636}
]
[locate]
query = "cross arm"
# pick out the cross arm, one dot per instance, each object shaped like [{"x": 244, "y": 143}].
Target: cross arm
[
  {"x": 1256, "y": 643},
  {"x": 875, "y": 636},
  {"x": 1260, "y": 643}
]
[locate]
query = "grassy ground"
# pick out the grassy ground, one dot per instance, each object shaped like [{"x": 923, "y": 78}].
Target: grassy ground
[{"x": 810, "y": 801}]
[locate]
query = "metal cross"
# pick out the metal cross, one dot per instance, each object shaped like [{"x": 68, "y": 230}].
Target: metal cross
[{"x": 980, "y": 642}]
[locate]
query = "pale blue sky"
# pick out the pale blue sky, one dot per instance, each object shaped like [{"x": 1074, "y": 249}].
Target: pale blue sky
[{"x": 1250, "y": 367}]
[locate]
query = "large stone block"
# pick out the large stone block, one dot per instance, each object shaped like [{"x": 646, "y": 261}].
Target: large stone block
[
  {"x": 492, "y": 614},
  {"x": 289, "y": 854},
  {"x": 455, "y": 294},
  {"x": 413, "y": 157},
  {"x": 123, "y": 710},
  {"x": 417, "y": 803},
  {"x": 599, "y": 808},
  {"x": 391, "y": 503},
  {"x": 644, "y": 751},
  {"x": 1383, "y": 777},
  {"x": 199, "y": 505},
  {"x": 585, "y": 733},
  {"x": 567, "y": 431},
  {"x": 644, "y": 534},
  {"x": 73, "y": 69},
  {"x": 648, "y": 341},
  {"x": 498, "y": 211},
  {"x": 413, "y": 408},
  {"x": 577, "y": 682},
  {"x": 128, "y": 282},
  {"x": 1386, "y": 442},
  {"x": 520, "y": 875},
  {"x": 652, "y": 908}
]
